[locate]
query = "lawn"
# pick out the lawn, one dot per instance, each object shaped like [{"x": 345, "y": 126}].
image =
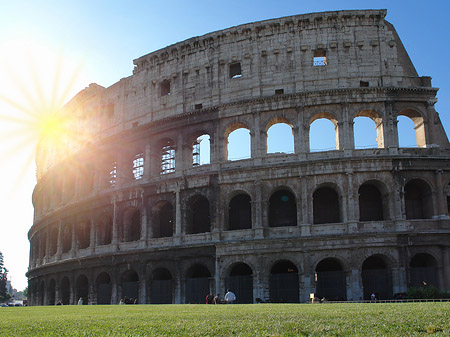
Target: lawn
[{"x": 406, "y": 319}]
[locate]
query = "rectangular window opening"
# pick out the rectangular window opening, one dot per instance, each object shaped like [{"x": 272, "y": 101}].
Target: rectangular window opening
[
  {"x": 198, "y": 106},
  {"x": 320, "y": 58},
  {"x": 279, "y": 91},
  {"x": 235, "y": 70},
  {"x": 138, "y": 166},
  {"x": 363, "y": 84}
]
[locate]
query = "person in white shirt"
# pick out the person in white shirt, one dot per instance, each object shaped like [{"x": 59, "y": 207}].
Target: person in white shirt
[{"x": 230, "y": 297}]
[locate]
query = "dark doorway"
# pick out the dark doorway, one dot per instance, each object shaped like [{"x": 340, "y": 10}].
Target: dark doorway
[
  {"x": 197, "y": 284},
  {"x": 418, "y": 200},
  {"x": 423, "y": 271},
  {"x": 51, "y": 292},
  {"x": 370, "y": 203},
  {"x": 162, "y": 220},
  {"x": 326, "y": 206},
  {"x": 282, "y": 209},
  {"x": 130, "y": 285},
  {"x": 240, "y": 212},
  {"x": 330, "y": 280},
  {"x": 200, "y": 221},
  {"x": 240, "y": 281},
  {"x": 104, "y": 288},
  {"x": 82, "y": 289},
  {"x": 65, "y": 291},
  {"x": 161, "y": 287},
  {"x": 376, "y": 278},
  {"x": 283, "y": 283}
]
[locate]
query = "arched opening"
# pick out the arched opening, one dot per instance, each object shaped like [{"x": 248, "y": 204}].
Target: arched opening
[
  {"x": 423, "y": 271},
  {"x": 240, "y": 281},
  {"x": 53, "y": 241},
  {"x": 326, "y": 207},
  {"x": 162, "y": 220},
  {"x": 67, "y": 238},
  {"x": 283, "y": 283},
  {"x": 376, "y": 278},
  {"x": 82, "y": 289},
  {"x": 239, "y": 144},
  {"x": 370, "y": 203},
  {"x": 43, "y": 251},
  {"x": 197, "y": 284},
  {"x": 65, "y": 291},
  {"x": 411, "y": 129},
  {"x": 42, "y": 293},
  {"x": 104, "y": 230},
  {"x": 165, "y": 88},
  {"x": 280, "y": 138},
  {"x": 323, "y": 134},
  {"x": 330, "y": 280},
  {"x": 51, "y": 292},
  {"x": 365, "y": 133},
  {"x": 199, "y": 220},
  {"x": 240, "y": 212},
  {"x": 418, "y": 200},
  {"x": 167, "y": 156},
  {"x": 83, "y": 235},
  {"x": 161, "y": 287},
  {"x": 201, "y": 151},
  {"x": 104, "y": 288},
  {"x": 138, "y": 166},
  {"x": 129, "y": 282},
  {"x": 282, "y": 209},
  {"x": 131, "y": 225}
]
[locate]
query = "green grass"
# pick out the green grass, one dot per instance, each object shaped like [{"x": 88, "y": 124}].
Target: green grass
[{"x": 406, "y": 319}]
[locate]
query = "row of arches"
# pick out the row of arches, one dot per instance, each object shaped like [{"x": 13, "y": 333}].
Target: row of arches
[
  {"x": 166, "y": 155},
  {"x": 284, "y": 281},
  {"x": 282, "y": 209}
]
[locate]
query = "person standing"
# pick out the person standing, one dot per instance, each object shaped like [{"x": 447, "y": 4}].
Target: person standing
[{"x": 230, "y": 297}]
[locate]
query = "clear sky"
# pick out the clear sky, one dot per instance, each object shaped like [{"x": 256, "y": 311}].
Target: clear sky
[{"x": 50, "y": 50}]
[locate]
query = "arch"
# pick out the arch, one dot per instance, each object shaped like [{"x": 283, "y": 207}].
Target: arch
[
  {"x": 104, "y": 288},
  {"x": 282, "y": 209},
  {"x": 238, "y": 142},
  {"x": 201, "y": 150},
  {"x": 82, "y": 289},
  {"x": 83, "y": 234},
  {"x": 240, "y": 281},
  {"x": 284, "y": 282},
  {"x": 197, "y": 283},
  {"x": 162, "y": 219},
  {"x": 42, "y": 293},
  {"x": 167, "y": 155},
  {"x": 368, "y": 130},
  {"x": 51, "y": 292},
  {"x": 280, "y": 138},
  {"x": 240, "y": 212},
  {"x": 418, "y": 200},
  {"x": 323, "y": 133},
  {"x": 129, "y": 284},
  {"x": 66, "y": 238},
  {"x": 330, "y": 280},
  {"x": 199, "y": 220},
  {"x": 376, "y": 277},
  {"x": 411, "y": 134},
  {"x": 326, "y": 207},
  {"x": 423, "y": 271},
  {"x": 161, "y": 287},
  {"x": 65, "y": 290},
  {"x": 370, "y": 203},
  {"x": 104, "y": 230},
  {"x": 131, "y": 224},
  {"x": 138, "y": 166},
  {"x": 53, "y": 241}
]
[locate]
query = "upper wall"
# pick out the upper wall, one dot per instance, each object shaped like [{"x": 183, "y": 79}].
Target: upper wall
[{"x": 355, "y": 48}]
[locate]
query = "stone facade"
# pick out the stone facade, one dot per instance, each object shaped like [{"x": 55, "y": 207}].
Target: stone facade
[{"x": 132, "y": 205}]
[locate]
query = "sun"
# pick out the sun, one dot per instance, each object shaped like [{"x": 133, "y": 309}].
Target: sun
[{"x": 36, "y": 85}]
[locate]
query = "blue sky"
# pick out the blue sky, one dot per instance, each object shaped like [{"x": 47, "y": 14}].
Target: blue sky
[{"x": 103, "y": 37}]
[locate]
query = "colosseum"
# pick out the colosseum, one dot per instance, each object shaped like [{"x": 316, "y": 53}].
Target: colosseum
[{"x": 145, "y": 200}]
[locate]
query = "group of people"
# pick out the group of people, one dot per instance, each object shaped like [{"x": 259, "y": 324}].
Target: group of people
[
  {"x": 127, "y": 300},
  {"x": 229, "y": 298}
]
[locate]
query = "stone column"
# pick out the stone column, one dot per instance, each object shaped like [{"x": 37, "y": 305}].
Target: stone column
[
  {"x": 257, "y": 207},
  {"x": 59, "y": 243},
  {"x": 441, "y": 204},
  {"x": 147, "y": 161},
  {"x": 91, "y": 234},
  {"x": 178, "y": 229},
  {"x": 115, "y": 234},
  {"x": 354, "y": 287},
  {"x": 300, "y": 134},
  {"x": 143, "y": 217}
]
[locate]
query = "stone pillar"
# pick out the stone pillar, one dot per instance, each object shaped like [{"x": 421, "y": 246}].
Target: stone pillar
[
  {"x": 256, "y": 138},
  {"x": 59, "y": 243},
  {"x": 352, "y": 206},
  {"x": 147, "y": 161},
  {"x": 354, "y": 287},
  {"x": 441, "y": 204},
  {"x": 390, "y": 126},
  {"x": 143, "y": 218},
  {"x": 217, "y": 275},
  {"x": 177, "y": 283},
  {"x": 115, "y": 234},
  {"x": 178, "y": 229},
  {"x": 91, "y": 234},
  {"x": 300, "y": 134},
  {"x": 257, "y": 207},
  {"x": 446, "y": 268},
  {"x": 305, "y": 209},
  {"x": 399, "y": 282}
]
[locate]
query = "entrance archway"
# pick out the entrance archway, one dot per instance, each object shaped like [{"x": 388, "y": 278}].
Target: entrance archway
[
  {"x": 240, "y": 281},
  {"x": 330, "y": 280},
  {"x": 376, "y": 277},
  {"x": 283, "y": 283}
]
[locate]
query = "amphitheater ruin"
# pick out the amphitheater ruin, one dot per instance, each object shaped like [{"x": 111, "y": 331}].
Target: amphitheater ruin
[{"x": 146, "y": 201}]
